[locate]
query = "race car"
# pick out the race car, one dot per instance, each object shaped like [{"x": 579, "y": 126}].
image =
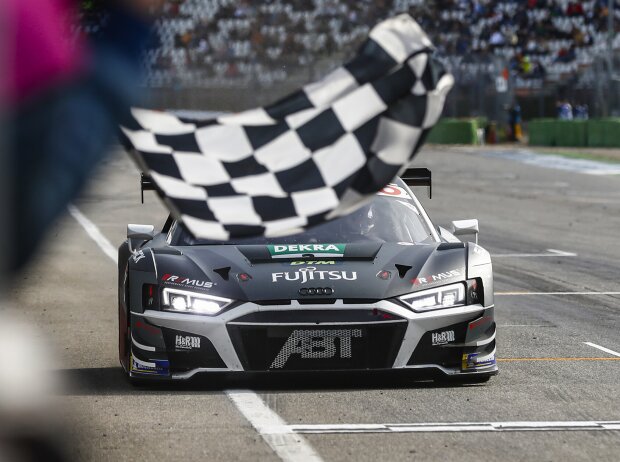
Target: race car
[{"x": 379, "y": 289}]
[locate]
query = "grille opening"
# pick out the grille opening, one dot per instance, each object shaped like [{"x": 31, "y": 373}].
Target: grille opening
[
  {"x": 317, "y": 301},
  {"x": 273, "y": 302},
  {"x": 360, "y": 301}
]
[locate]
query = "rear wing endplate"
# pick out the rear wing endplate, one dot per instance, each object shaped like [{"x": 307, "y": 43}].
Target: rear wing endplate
[
  {"x": 419, "y": 177},
  {"x": 146, "y": 184}
]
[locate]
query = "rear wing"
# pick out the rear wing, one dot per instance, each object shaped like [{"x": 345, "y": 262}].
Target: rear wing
[
  {"x": 418, "y": 177},
  {"x": 146, "y": 184}
]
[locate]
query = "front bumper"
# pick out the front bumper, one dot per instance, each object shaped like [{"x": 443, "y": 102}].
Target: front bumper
[{"x": 251, "y": 337}]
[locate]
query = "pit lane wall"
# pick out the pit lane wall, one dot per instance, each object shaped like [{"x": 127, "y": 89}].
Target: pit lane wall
[{"x": 595, "y": 133}]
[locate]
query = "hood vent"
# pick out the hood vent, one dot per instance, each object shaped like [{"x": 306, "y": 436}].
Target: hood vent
[
  {"x": 223, "y": 272},
  {"x": 402, "y": 270}
]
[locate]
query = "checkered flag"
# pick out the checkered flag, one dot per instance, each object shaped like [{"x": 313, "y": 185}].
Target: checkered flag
[{"x": 315, "y": 155}]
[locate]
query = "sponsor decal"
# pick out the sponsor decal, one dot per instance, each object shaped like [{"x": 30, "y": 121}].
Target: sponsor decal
[
  {"x": 155, "y": 367},
  {"x": 316, "y": 344},
  {"x": 186, "y": 282},
  {"x": 393, "y": 190},
  {"x": 313, "y": 262},
  {"x": 187, "y": 342},
  {"x": 442, "y": 338},
  {"x": 299, "y": 250},
  {"x": 474, "y": 360},
  {"x": 310, "y": 273},
  {"x": 436, "y": 277},
  {"x": 137, "y": 256}
]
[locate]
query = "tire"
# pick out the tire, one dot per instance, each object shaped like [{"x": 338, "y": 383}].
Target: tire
[
  {"x": 124, "y": 322},
  {"x": 133, "y": 381}
]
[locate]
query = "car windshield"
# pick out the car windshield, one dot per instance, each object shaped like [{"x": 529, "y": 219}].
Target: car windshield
[{"x": 385, "y": 219}]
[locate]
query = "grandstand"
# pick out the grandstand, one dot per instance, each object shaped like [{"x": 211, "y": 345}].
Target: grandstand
[
  {"x": 227, "y": 42},
  {"x": 231, "y": 54}
]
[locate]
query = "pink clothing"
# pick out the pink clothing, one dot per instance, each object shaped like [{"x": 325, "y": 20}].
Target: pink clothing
[{"x": 41, "y": 53}]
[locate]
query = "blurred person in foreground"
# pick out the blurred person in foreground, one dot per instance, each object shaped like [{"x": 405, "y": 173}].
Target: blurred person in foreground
[
  {"x": 64, "y": 99},
  {"x": 61, "y": 99}
]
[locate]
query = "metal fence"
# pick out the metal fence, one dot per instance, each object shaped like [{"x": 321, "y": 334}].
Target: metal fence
[{"x": 480, "y": 89}]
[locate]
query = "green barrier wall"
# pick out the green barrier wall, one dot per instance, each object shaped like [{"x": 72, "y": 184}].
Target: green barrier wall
[
  {"x": 604, "y": 133},
  {"x": 455, "y": 131},
  {"x": 541, "y": 132},
  {"x": 596, "y": 133},
  {"x": 571, "y": 133}
]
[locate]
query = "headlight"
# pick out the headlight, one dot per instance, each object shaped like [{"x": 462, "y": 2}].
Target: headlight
[
  {"x": 439, "y": 297},
  {"x": 183, "y": 301}
]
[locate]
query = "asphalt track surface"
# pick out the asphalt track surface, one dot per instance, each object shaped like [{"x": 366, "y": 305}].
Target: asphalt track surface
[{"x": 555, "y": 382}]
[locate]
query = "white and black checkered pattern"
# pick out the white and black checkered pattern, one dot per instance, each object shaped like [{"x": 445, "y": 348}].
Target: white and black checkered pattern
[{"x": 312, "y": 156}]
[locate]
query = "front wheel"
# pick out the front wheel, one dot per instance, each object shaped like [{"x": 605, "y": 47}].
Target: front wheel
[{"x": 124, "y": 324}]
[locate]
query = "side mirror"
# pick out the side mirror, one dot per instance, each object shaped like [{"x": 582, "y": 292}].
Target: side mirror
[
  {"x": 138, "y": 234},
  {"x": 465, "y": 227}
]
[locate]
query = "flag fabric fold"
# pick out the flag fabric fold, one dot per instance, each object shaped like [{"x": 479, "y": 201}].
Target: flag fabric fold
[{"x": 313, "y": 156}]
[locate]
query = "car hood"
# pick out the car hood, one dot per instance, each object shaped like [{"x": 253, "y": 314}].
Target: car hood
[{"x": 369, "y": 271}]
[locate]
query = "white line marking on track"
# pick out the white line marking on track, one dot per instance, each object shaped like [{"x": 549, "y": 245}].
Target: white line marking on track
[
  {"x": 500, "y": 294},
  {"x": 288, "y": 445},
  {"x": 550, "y": 253},
  {"x": 606, "y": 350},
  {"x": 458, "y": 427},
  {"x": 587, "y": 166},
  {"x": 274, "y": 431},
  {"x": 94, "y": 232}
]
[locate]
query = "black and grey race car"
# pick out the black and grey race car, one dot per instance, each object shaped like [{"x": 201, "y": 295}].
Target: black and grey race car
[{"x": 379, "y": 289}]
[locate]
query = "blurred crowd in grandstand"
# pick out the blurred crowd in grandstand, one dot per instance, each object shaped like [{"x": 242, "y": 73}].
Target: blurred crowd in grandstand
[
  {"x": 201, "y": 42},
  {"x": 535, "y": 36}
]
